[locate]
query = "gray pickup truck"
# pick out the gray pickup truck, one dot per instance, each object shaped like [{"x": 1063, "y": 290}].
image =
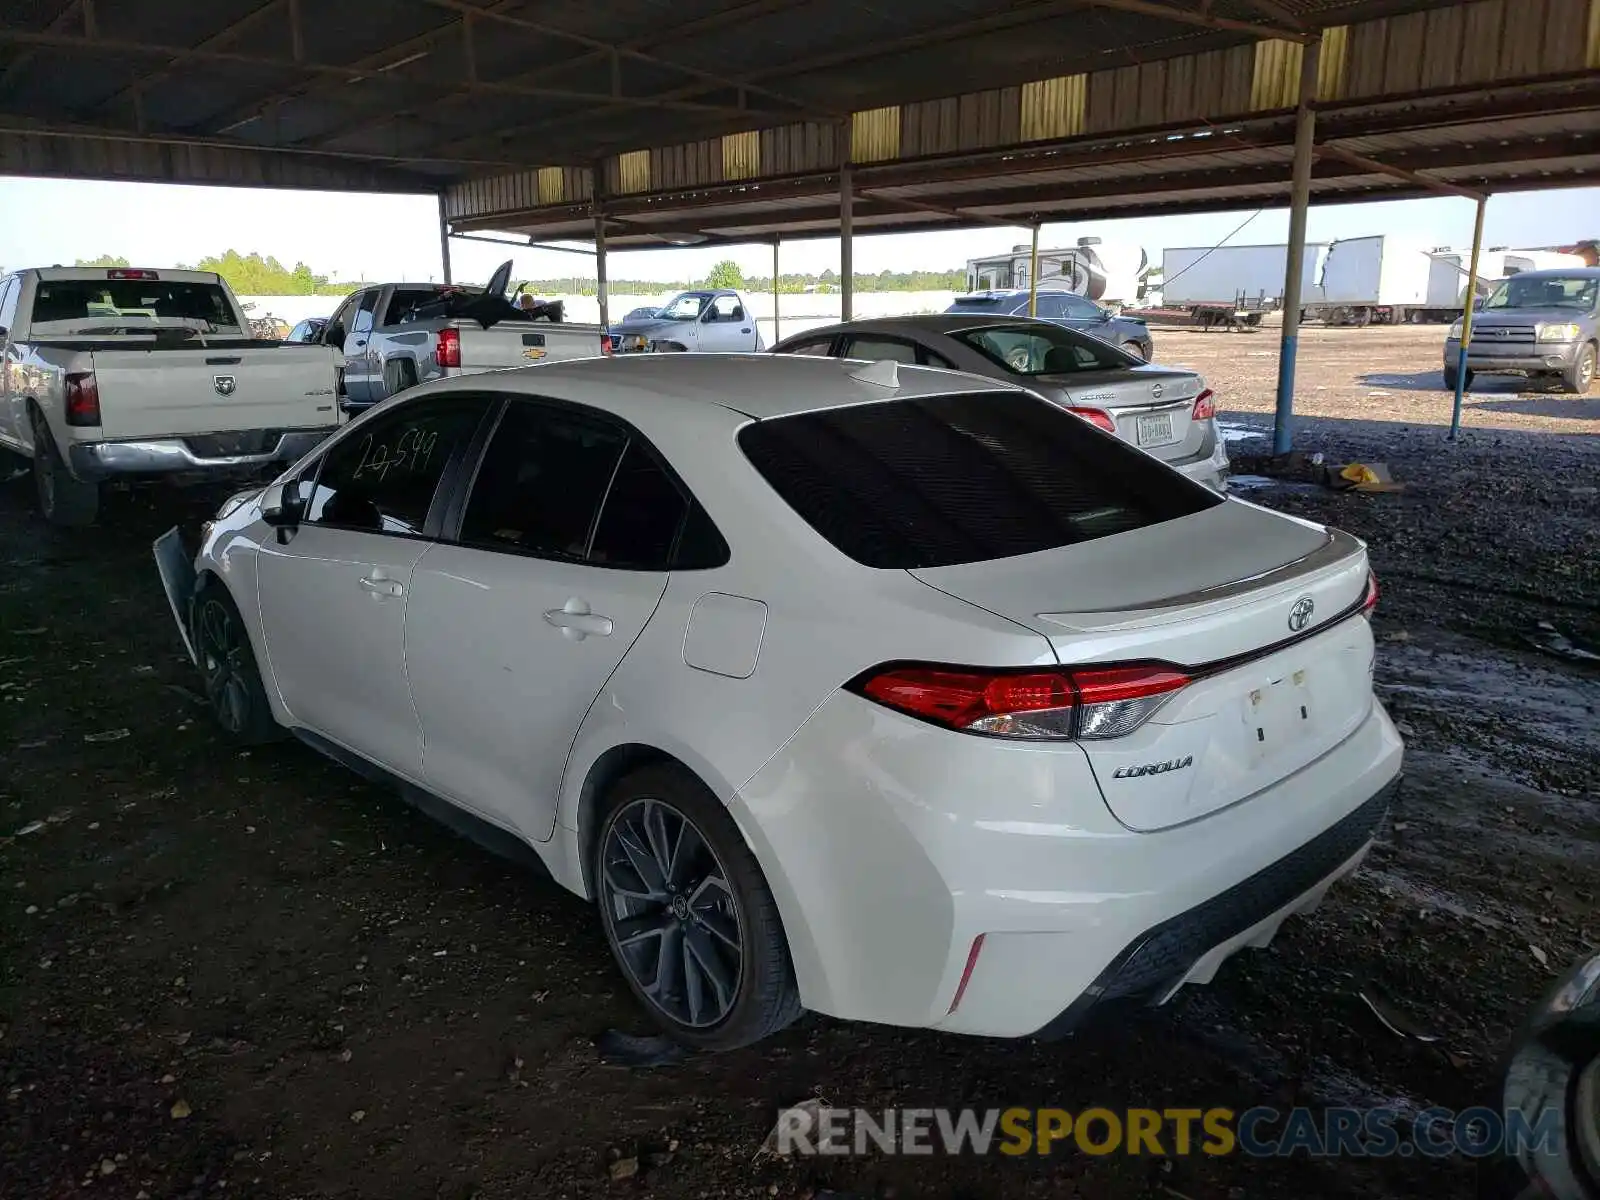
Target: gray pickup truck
[
  {"x": 1538, "y": 324},
  {"x": 393, "y": 336}
]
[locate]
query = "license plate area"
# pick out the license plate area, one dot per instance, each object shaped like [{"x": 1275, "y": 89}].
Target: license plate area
[
  {"x": 1154, "y": 429},
  {"x": 1278, "y": 714}
]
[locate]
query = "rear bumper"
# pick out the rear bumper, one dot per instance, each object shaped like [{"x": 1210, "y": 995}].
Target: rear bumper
[
  {"x": 172, "y": 456},
  {"x": 891, "y": 847},
  {"x": 1210, "y": 470}
]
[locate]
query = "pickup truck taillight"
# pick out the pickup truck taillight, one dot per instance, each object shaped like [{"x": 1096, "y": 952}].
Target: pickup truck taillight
[
  {"x": 447, "y": 353},
  {"x": 83, "y": 398},
  {"x": 605, "y": 344}
]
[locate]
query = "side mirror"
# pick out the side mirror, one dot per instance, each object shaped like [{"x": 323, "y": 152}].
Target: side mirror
[
  {"x": 282, "y": 504},
  {"x": 333, "y": 335}
]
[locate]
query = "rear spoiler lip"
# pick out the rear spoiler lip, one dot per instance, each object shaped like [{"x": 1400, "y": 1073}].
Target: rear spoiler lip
[{"x": 1337, "y": 547}]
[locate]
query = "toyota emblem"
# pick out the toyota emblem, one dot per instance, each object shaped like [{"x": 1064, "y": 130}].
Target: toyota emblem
[
  {"x": 224, "y": 384},
  {"x": 1300, "y": 614}
]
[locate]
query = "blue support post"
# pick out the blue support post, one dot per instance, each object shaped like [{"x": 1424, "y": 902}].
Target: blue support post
[{"x": 1299, "y": 200}]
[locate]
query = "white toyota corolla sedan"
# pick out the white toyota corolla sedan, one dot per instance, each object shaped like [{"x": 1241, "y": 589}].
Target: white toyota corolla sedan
[{"x": 888, "y": 692}]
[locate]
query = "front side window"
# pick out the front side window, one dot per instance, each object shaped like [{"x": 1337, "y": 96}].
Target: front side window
[
  {"x": 1039, "y": 349},
  {"x": 941, "y": 480},
  {"x": 9, "y": 289},
  {"x": 384, "y": 476},
  {"x": 1080, "y": 309}
]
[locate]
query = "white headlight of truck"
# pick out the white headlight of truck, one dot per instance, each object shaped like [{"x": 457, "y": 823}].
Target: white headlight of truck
[{"x": 1455, "y": 332}]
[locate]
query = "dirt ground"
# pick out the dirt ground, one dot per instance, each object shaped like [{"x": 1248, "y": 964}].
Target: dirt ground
[{"x": 254, "y": 974}]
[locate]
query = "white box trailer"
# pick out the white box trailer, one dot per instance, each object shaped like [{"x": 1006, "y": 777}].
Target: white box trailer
[{"x": 1205, "y": 275}]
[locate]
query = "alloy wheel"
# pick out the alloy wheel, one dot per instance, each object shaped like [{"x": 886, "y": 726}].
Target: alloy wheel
[
  {"x": 222, "y": 661},
  {"x": 673, "y": 918}
]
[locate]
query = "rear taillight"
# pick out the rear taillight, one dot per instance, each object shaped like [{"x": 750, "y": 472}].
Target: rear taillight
[
  {"x": 447, "y": 351},
  {"x": 1370, "y": 600},
  {"x": 1080, "y": 702},
  {"x": 83, "y": 398},
  {"x": 1095, "y": 416},
  {"x": 605, "y": 344},
  {"x": 1205, "y": 406}
]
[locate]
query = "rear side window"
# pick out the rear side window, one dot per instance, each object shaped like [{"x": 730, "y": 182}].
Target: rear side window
[
  {"x": 541, "y": 483},
  {"x": 942, "y": 480}
]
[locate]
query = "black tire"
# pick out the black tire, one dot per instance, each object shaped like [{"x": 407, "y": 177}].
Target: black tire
[
  {"x": 228, "y": 669},
  {"x": 1136, "y": 350},
  {"x": 399, "y": 376},
  {"x": 690, "y": 937},
  {"x": 64, "y": 501},
  {"x": 1450, "y": 378},
  {"x": 1579, "y": 377}
]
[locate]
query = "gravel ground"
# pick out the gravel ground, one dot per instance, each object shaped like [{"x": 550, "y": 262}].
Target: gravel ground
[{"x": 254, "y": 974}]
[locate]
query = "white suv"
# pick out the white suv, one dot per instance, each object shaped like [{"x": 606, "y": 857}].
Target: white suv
[{"x": 892, "y": 693}]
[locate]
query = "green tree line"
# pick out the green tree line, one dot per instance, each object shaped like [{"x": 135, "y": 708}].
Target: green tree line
[{"x": 251, "y": 274}]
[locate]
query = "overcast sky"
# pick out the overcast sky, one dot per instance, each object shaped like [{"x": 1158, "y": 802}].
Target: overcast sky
[{"x": 351, "y": 237}]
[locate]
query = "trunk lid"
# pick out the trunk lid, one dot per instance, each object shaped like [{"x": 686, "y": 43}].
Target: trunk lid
[
  {"x": 1150, "y": 405},
  {"x": 215, "y": 389},
  {"x": 1220, "y": 593}
]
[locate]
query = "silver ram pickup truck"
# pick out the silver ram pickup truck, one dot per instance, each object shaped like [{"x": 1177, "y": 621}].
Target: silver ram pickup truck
[
  {"x": 393, "y": 336},
  {"x": 1536, "y": 323},
  {"x": 115, "y": 373}
]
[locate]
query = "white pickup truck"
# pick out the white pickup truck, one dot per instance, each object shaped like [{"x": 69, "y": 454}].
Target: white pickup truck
[
  {"x": 393, "y": 336},
  {"x": 115, "y": 373}
]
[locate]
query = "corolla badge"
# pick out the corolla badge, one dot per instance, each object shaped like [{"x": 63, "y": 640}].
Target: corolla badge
[
  {"x": 1300, "y": 614},
  {"x": 224, "y": 384},
  {"x": 1155, "y": 768}
]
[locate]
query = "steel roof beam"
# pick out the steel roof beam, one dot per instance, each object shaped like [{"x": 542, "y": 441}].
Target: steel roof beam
[
  {"x": 619, "y": 50},
  {"x": 379, "y": 118},
  {"x": 1419, "y": 178},
  {"x": 59, "y": 41},
  {"x": 1021, "y": 15},
  {"x": 941, "y": 210},
  {"x": 221, "y": 37},
  {"x": 21, "y": 63},
  {"x": 1203, "y": 20}
]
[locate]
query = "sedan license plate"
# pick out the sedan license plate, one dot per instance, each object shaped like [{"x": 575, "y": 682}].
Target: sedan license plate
[
  {"x": 1155, "y": 429},
  {"x": 1277, "y": 715}
]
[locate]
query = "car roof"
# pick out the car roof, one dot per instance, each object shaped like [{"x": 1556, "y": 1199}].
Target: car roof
[
  {"x": 944, "y": 323},
  {"x": 1559, "y": 273},
  {"x": 756, "y": 385}
]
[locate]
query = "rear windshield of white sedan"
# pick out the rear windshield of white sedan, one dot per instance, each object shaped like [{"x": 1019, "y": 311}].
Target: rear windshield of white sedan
[{"x": 941, "y": 480}]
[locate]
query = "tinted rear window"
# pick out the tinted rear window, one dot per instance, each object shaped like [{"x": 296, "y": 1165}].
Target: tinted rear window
[{"x": 942, "y": 480}]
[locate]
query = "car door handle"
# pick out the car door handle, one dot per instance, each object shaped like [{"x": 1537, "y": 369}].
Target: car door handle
[
  {"x": 746, "y": 329},
  {"x": 361, "y": 341},
  {"x": 576, "y": 622},
  {"x": 379, "y": 586}
]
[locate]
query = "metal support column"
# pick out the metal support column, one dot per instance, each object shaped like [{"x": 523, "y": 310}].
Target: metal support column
[
  {"x": 847, "y": 284},
  {"x": 1033, "y": 274},
  {"x": 1305, "y": 130},
  {"x": 1466, "y": 318},
  {"x": 444, "y": 239},
  {"x": 600, "y": 269},
  {"x": 777, "y": 332}
]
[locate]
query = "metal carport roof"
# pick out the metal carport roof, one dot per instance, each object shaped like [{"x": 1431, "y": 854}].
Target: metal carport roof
[{"x": 944, "y": 103}]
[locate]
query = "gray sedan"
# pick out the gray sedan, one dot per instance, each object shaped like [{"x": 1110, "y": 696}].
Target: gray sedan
[
  {"x": 1064, "y": 308},
  {"x": 1166, "y": 411}
]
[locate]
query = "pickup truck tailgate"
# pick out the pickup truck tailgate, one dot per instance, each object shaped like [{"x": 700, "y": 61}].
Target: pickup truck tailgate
[
  {"x": 173, "y": 392},
  {"x": 519, "y": 344}
]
